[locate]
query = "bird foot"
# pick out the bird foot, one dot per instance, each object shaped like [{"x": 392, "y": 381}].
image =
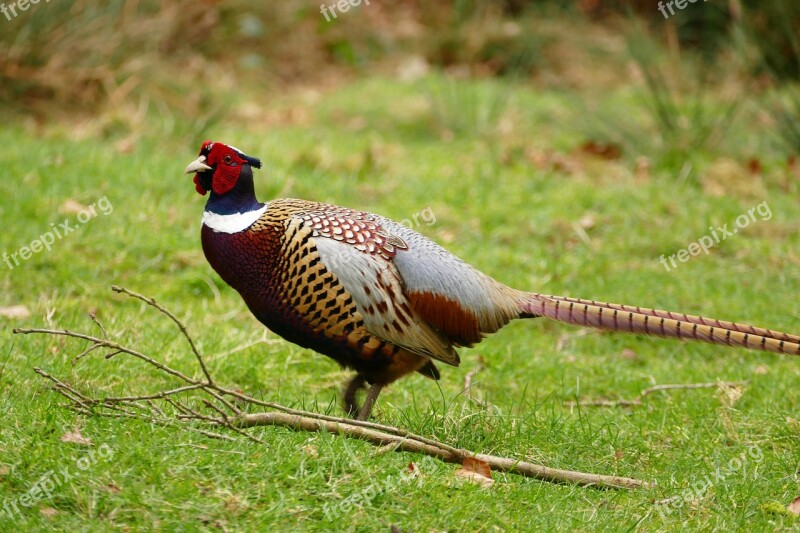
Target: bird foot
[{"x": 350, "y": 402}]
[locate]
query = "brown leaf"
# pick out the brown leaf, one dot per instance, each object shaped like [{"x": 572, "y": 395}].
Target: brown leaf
[
  {"x": 15, "y": 311},
  {"x": 754, "y": 166},
  {"x": 729, "y": 394},
  {"x": 75, "y": 437},
  {"x": 476, "y": 471},
  {"x": 113, "y": 488},
  {"x": 602, "y": 150},
  {"x": 794, "y": 507}
]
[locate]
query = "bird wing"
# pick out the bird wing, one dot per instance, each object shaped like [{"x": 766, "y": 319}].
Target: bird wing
[
  {"x": 377, "y": 290},
  {"x": 448, "y": 293},
  {"x": 448, "y": 299}
]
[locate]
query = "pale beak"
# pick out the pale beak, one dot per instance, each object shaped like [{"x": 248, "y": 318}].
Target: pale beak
[{"x": 198, "y": 165}]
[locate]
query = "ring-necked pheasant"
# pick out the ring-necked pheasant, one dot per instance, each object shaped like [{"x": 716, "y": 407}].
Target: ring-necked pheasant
[{"x": 382, "y": 299}]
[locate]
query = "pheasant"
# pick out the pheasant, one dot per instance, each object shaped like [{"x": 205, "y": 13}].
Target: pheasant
[{"x": 381, "y": 299}]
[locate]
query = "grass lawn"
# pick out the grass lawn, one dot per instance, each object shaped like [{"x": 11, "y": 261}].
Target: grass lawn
[{"x": 519, "y": 200}]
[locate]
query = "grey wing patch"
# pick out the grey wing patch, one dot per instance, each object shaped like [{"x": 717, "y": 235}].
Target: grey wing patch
[{"x": 427, "y": 267}]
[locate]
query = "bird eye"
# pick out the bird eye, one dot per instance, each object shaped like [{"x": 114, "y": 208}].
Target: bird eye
[{"x": 227, "y": 159}]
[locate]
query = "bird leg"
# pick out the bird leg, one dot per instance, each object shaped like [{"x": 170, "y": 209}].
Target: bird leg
[
  {"x": 372, "y": 395},
  {"x": 350, "y": 402}
]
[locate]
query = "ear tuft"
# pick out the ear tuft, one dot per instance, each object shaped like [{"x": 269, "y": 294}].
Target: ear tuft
[{"x": 253, "y": 161}]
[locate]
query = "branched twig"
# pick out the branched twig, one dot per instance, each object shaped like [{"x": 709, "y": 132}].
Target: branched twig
[
  {"x": 655, "y": 388},
  {"x": 184, "y": 331},
  {"x": 99, "y": 325},
  {"x": 220, "y": 401}
]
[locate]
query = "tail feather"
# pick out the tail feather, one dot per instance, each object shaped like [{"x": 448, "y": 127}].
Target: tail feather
[
  {"x": 681, "y": 317},
  {"x": 616, "y": 317}
]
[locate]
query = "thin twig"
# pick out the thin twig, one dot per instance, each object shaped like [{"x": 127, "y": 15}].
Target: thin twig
[
  {"x": 650, "y": 390},
  {"x": 690, "y": 386},
  {"x": 229, "y": 425},
  {"x": 162, "y": 422},
  {"x": 112, "y": 345},
  {"x": 468, "y": 378},
  {"x": 157, "y": 396},
  {"x": 86, "y": 352},
  {"x": 99, "y": 325},
  {"x": 181, "y": 326}
]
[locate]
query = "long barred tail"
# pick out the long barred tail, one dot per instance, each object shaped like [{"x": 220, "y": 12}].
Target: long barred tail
[{"x": 627, "y": 318}]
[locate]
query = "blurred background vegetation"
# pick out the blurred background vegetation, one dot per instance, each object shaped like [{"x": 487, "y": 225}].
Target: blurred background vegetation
[
  {"x": 563, "y": 145},
  {"x": 121, "y": 62}
]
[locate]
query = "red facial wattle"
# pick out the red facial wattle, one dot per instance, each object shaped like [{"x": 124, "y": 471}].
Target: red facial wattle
[
  {"x": 228, "y": 168},
  {"x": 199, "y": 188}
]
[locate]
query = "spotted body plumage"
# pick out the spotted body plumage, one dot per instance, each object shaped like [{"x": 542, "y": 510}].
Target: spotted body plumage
[
  {"x": 382, "y": 299},
  {"x": 276, "y": 267}
]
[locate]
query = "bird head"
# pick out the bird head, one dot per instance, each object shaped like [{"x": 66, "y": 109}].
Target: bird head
[{"x": 219, "y": 167}]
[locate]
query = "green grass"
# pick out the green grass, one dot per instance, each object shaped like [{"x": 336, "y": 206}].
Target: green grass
[{"x": 384, "y": 147}]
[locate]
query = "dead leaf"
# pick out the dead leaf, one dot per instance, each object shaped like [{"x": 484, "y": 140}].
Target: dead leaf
[
  {"x": 71, "y": 207},
  {"x": 75, "y": 437},
  {"x": 628, "y": 354},
  {"x": 413, "y": 471},
  {"x": 794, "y": 507},
  {"x": 48, "y": 512},
  {"x": 476, "y": 471},
  {"x": 15, "y": 311},
  {"x": 602, "y": 150},
  {"x": 754, "y": 166},
  {"x": 761, "y": 370},
  {"x": 729, "y": 395},
  {"x": 113, "y": 488}
]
